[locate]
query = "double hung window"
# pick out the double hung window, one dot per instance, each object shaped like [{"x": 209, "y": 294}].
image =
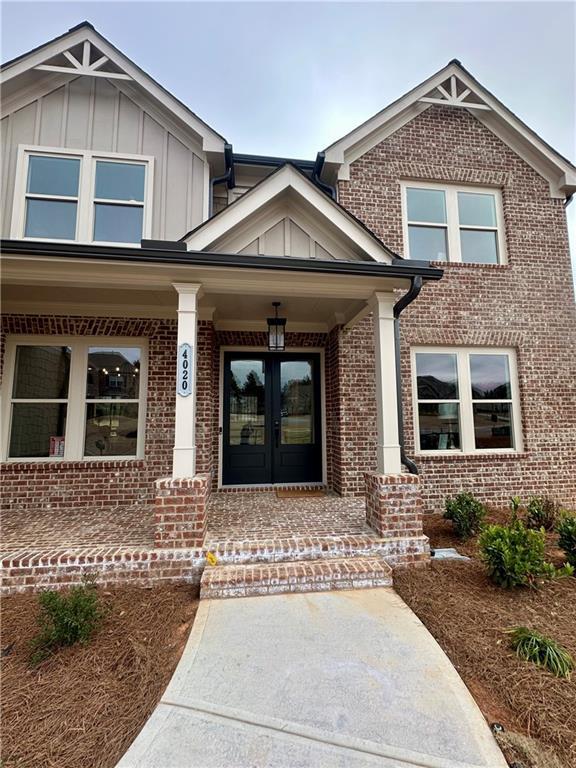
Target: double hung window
[
  {"x": 82, "y": 196},
  {"x": 460, "y": 224}
]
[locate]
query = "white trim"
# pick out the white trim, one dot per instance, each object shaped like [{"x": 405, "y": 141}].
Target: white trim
[
  {"x": 464, "y": 399},
  {"x": 452, "y": 225},
  {"x": 560, "y": 173},
  {"x": 85, "y": 198},
  {"x": 211, "y": 141},
  {"x": 75, "y": 419},
  {"x": 260, "y": 350},
  {"x": 284, "y": 180}
]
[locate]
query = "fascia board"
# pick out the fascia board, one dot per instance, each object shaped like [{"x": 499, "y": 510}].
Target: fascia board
[
  {"x": 335, "y": 153},
  {"x": 499, "y": 120},
  {"x": 211, "y": 141},
  {"x": 286, "y": 178}
]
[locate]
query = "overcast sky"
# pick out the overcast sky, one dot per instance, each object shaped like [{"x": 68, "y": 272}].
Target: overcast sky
[{"x": 290, "y": 78}]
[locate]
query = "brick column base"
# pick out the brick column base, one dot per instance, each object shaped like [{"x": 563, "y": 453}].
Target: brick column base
[
  {"x": 180, "y": 517},
  {"x": 394, "y": 511}
]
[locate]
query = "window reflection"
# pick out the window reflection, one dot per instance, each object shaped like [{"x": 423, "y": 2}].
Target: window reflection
[
  {"x": 247, "y": 402},
  {"x": 296, "y": 402},
  {"x": 113, "y": 373},
  {"x": 437, "y": 376}
]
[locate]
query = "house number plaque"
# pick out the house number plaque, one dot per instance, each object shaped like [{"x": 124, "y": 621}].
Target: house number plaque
[{"x": 184, "y": 369}]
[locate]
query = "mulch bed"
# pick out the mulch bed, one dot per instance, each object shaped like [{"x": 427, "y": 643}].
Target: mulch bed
[
  {"x": 467, "y": 615},
  {"x": 85, "y": 704}
]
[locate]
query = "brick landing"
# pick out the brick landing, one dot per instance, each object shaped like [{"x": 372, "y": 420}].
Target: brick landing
[
  {"x": 261, "y": 516},
  {"x": 308, "y": 576}
]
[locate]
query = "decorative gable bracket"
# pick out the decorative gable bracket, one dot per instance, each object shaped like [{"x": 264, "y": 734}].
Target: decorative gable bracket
[
  {"x": 453, "y": 93},
  {"x": 90, "y": 65}
]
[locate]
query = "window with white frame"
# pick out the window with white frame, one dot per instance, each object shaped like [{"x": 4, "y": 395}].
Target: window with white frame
[
  {"x": 82, "y": 195},
  {"x": 74, "y": 399},
  {"x": 465, "y": 400},
  {"x": 445, "y": 223}
]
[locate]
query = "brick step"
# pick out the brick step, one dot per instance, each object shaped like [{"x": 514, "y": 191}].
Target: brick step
[
  {"x": 222, "y": 581},
  {"x": 295, "y": 549}
]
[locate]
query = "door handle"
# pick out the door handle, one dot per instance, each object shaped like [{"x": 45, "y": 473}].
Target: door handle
[{"x": 277, "y": 433}]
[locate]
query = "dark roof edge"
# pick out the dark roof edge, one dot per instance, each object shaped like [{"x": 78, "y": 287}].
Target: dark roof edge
[
  {"x": 269, "y": 161},
  {"x": 398, "y": 267}
]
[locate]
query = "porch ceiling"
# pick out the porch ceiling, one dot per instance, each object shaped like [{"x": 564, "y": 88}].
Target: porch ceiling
[{"x": 230, "y": 295}]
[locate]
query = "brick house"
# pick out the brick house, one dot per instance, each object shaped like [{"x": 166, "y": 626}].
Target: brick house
[{"x": 393, "y": 321}]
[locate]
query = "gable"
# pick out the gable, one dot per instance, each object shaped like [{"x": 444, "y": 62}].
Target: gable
[
  {"x": 287, "y": 237},
  {"x": 287, "y": 215},
  {"x": 453, "y": 87},
  {"x": 83, "y": 52}
]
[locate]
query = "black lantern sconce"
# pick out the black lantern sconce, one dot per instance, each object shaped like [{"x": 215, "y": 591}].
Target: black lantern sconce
[{"x": 276, "y": 327}]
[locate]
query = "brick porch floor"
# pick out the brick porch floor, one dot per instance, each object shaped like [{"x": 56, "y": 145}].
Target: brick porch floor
[
  {"x": 257, "y": 516},
  {"x": 231, "y": 517},
  {"x": 46, "y": 530}
]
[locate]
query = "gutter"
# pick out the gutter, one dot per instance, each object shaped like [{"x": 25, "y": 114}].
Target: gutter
[
  {"x": 401, "y": 304},
  {"x": 164, "y": 252},
  {"x": 228, "y": 177},
  {"x": 317, "y": 172}
]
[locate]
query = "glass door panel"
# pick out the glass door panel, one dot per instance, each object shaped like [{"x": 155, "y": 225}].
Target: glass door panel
[
  {"x": 296, "y": 402},
  {"x": 247, "y": 402}
]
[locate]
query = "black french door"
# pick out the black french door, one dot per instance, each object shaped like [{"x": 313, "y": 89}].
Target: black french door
[{"x": 272, "y": 420}]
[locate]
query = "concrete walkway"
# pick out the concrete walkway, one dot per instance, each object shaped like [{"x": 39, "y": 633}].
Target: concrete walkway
[{"x": 335, "y": 679}]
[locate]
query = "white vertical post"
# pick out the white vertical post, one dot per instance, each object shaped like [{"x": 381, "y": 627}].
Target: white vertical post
[
  {"x": 184, "y": 461},
  {"x": 389, "y": 462}
]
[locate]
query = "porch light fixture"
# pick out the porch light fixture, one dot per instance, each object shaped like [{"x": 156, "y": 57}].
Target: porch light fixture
[{"x": 276, "y": 327}]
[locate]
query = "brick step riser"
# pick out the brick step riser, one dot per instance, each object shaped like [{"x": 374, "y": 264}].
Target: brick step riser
[
  {"x": 391, "y": 550},
  {"x": 256, "y": 589},
  {"x": 296, "y": 555}
]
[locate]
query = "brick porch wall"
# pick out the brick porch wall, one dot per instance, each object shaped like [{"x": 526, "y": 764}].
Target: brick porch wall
[
  {"x": 526, "y": 304},
  {"x": 72, "y": 485}
]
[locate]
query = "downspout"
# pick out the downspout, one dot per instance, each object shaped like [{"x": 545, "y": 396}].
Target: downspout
[
  {"x": 317, "y": 172},
  {"x": 401, "y": 304},
  {"x": 228, "y": 177}
]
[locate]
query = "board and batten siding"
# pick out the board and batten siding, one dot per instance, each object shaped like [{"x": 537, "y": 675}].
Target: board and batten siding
[{"x": 91, "y": 113}]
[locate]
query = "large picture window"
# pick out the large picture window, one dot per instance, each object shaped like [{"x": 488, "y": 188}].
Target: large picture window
[
  {"x": 72, "y": 399},
  {"x": 465, "y": 400},
  {"x": 445, "y": 223},
  {"x": 82, "y": 196}
]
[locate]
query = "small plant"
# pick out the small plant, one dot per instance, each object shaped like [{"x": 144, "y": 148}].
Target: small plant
[
  {"x": 466, "y": 514},
  {"x": 542, "y": 512},
  {"x": 530, "y": 645},
  {"x": 66, "y": 618},
  {"x": 566, "y": 530},
  {"x": 515, "y": 556}
]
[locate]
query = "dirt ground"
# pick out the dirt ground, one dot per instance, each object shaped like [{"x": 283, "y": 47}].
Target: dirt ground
[
  {"x": 467, "y": 615},
  {"x": 85, "y": 705}
]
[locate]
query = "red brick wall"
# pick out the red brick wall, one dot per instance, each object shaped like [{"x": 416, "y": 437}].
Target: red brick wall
[
  {"x": 527, "y": 304},
  {"x": 110, "y": 483}
]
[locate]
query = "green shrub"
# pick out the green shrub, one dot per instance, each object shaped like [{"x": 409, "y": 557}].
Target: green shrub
[
  {"x": 566, "y": 530},
  {"x": 514, "y": 555},
  {"x": 530, "y": 645},
  {"x": 466, "y": 514},
  {"x": 542, "y": 512},
  {"x": 66, "y": 618}
]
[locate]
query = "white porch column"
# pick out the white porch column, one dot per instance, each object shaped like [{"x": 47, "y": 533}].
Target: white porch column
[
  {"x": 184, "y": 461},
  {"x": 382, "y": 305}
]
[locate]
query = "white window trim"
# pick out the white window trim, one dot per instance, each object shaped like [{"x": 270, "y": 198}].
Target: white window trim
[
  {"x": 75, "y": 417},
  {"x": 452, "y": 225},
  {"x": 86, "y": 192},
  {"x": 467, "y": 443}
]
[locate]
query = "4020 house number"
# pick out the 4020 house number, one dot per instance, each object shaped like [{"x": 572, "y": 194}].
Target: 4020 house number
[{"x": 184, "y": 369}]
